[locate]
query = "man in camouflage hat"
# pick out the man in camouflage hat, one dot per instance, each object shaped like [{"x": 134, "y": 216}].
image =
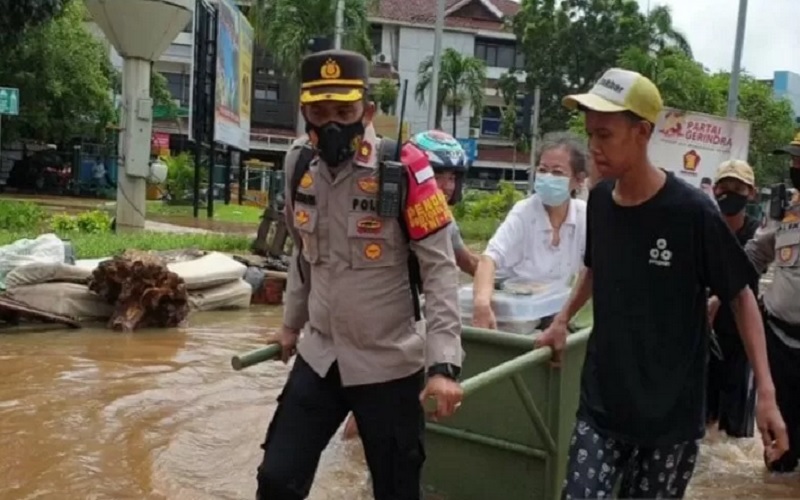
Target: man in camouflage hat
[{"x": 349, "y": 288}]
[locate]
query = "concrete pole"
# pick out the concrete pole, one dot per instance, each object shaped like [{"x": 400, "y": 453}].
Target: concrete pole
[
  {"x": 733, "y": 90},
  {"x": 137, "y": 127},
  {"x": 537, "y": 98},
  {"x": 438, "y": 33},
  {"x": 337, "y": 43}
]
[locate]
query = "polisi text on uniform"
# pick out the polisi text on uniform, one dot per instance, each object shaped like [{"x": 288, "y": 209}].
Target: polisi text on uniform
[
  {"x": 365, "y": 204},
  {"x": 611, "y": 85}
]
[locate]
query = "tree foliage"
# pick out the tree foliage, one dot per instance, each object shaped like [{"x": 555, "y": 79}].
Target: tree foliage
[
  {"x": 385, "y": 95},
  {"x": 462, "y": 80},
  {"x": 285, "y": 27},
  {"x": 568, "y": 44},
  {"x": 64, "y": 76},
  {"x": 18, "y": 16}
]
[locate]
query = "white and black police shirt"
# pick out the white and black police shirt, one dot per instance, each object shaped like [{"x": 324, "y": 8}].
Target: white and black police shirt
[{"x": 643, "y": 380}]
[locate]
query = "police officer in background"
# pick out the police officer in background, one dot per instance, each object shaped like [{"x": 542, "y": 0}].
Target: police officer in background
[
  {"x": 781, "y": 245},
  {"x": 349, "y": 286}
]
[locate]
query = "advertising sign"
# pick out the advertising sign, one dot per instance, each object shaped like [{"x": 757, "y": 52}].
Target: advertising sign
[
  {"x": 234, "y": 77},
  {"x": 694, "y": 144}
]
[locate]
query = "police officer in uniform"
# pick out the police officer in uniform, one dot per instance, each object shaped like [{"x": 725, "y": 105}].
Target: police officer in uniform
[
  {"x": 781, "y": 245},
  {"x": 349, "y": 287}
]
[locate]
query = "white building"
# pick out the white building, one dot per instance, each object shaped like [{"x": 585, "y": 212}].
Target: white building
[{"x": 402, "y": 35}]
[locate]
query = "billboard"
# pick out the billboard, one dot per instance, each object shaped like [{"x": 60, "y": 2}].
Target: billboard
[
  {"x": 694, "y": 144},
  {"x": 234, "y": 77}
]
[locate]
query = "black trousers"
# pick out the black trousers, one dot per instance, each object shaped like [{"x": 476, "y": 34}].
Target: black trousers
[
  {"x": 311, "y": 408},
  {"x": 784, "y": 364},
  {"x": 730, "y": 391}
]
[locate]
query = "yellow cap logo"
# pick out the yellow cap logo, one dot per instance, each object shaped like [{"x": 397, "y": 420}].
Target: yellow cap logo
[{"x": 330, "y": 70}]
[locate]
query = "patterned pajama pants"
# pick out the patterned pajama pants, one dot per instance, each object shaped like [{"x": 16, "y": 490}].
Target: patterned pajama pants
[{"x": 597, "y": 463}]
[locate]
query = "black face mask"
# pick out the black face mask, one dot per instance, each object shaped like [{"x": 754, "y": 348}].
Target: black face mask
[
  {"x": 335, "y": 141},
  {"x": 794, "y": 175},
  {"x": 731, "y": 203}
]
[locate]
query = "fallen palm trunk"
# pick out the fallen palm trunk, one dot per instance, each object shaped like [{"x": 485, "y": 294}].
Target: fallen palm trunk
[{"x": 144, "y": 292}]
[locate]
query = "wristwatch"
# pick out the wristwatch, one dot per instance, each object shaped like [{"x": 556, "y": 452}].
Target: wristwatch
[{"x": 446, "y": 370}]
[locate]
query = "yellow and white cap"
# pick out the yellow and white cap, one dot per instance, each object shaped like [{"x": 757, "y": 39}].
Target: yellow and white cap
[
  {"x": 736, "y": 169},
  {"x": 620, "y": 90}
]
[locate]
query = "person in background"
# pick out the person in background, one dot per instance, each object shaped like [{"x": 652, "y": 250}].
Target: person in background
[
  {"x": 781, "y": 245},
  {"x": 543, "y": 237},
  {"x": 449, "y": 162},
  {"x": 99, "y": 173},
  {"x": 654, "y": 246},
  {"x": 730, "y": 393},
  {"x": 707, "y": 186}
]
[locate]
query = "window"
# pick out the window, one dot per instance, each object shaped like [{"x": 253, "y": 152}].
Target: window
[
  {"x": 271, "y": 92},
  {"x": 505, "y": 56},
  {"x": 178, "y": 85},
  {"x": 496, "y": 53},
  {"x": 376, "y": 38}
]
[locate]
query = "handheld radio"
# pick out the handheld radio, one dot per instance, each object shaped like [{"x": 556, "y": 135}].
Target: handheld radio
[
  {"x": 391, "y": 173},
  {"x": 778, "y": 201}
]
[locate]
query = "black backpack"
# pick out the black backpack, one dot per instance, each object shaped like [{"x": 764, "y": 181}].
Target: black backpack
[{"x": 387, "y": 151}]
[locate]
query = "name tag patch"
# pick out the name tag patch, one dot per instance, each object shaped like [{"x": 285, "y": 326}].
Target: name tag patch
[
  {"x": 369, "y": 225},
  {"x": 424, "y": 174}
]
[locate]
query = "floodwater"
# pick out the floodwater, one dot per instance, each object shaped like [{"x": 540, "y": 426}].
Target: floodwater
[{"x": 93, "y": 414}]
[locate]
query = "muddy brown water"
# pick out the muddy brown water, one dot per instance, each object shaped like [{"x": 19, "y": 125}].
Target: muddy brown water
[{"x": 93, "y": 414}]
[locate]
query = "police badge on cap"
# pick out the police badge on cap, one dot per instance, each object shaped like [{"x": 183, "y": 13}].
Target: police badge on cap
[{"x": 334, "y": 75}]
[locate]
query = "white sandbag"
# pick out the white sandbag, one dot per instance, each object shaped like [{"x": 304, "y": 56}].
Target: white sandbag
[
  {"x": 208, "y": 271},
  {"x": 90, "y": 264},
  {"x": 33, "y": 274},
  {"x": 234, "y": 295},
  {"x": 68, "y": 299},
  {"x": 46, "y": 249}
]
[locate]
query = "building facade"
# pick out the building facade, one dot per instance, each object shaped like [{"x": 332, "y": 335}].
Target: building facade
[{"x": 402, "y": 33}]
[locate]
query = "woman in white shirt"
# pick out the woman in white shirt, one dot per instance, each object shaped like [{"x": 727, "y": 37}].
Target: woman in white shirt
[{"x": 543, "y": 238}]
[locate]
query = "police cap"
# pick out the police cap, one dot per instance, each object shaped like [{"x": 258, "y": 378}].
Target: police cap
[{"x": 333, "y": 75}]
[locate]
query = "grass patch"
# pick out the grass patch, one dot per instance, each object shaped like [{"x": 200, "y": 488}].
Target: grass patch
[
  {"x": 92, "y": 246},
  {"x": 239, "y": 214},
  {"x": 478, "y": 230}
]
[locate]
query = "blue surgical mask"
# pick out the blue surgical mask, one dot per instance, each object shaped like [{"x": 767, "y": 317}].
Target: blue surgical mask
[{"x": 552, "y": 190}]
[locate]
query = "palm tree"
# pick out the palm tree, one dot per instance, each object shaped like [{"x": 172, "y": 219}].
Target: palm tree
[
  {"x": 662, "y": 32},
  {"x": 462, "y": 80},
  {"x": 285, "y": 27}
]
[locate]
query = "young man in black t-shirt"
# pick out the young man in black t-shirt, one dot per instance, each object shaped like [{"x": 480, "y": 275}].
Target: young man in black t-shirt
[{"x": 654, "y": 246}]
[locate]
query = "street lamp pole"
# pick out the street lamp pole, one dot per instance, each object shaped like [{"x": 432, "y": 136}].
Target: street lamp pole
[
  {"x": 733, "y": 90},
  {"x": 437, "y": 62},
  {"x": 339, "y": 25}
]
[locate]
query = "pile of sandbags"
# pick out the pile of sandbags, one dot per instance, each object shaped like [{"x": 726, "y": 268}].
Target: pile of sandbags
[
  {"x": 214, "y": 282},
  {"x": 57, "y": 288}
]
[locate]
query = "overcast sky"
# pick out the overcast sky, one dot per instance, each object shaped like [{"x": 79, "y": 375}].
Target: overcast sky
[{"x": 772, "y": 38}]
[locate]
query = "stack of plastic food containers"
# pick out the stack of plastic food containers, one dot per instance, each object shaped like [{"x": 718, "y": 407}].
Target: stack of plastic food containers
[{"x": 518, "y": 308}]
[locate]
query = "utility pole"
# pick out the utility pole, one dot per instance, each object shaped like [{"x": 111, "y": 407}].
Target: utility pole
[
  {"x": 733, "y": 90},
  {"x": 339, "y": 24},
  {"x": 438, "y": 33},
  {"x": 537, "y": 97}
]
